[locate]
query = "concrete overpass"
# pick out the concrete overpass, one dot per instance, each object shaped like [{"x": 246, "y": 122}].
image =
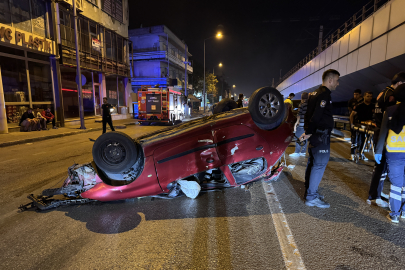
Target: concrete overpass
[{"x": 368, "y": 50}]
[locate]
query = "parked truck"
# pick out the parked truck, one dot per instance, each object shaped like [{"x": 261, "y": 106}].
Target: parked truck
[{"x": 160, "y": 105}]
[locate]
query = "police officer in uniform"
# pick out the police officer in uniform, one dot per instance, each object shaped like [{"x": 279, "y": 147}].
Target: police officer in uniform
[
  {"x": 318, "y": 125},
  {"x": 392, "y": 140},
  {"x": 384, "y": 100}
]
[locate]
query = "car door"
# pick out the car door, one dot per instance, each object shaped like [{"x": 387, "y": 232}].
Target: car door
[
  {"x": 238, "y": 143},
  {"x": 185, "y": 155}
]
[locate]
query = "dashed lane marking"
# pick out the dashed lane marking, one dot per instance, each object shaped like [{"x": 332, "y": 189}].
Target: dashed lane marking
[
  {"x": 289, "y": 249},
  {"x": 7, "y": 160}
]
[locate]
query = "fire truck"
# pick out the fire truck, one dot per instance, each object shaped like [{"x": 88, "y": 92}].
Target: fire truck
[{"x": 160, "y": 105}]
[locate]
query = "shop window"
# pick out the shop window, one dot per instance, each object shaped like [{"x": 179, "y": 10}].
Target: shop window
[
  {"x": 40, "y": 82},
  {"x": 14, "y": 113},
  {"x": 14, "y": 76},
  {"x": 21, "y": 15},
  {"x": 70, "y": 94},
  {"x": 12, "y": 51}
]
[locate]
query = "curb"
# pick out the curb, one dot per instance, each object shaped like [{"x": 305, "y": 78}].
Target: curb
[{"x": 5, "y": 144}]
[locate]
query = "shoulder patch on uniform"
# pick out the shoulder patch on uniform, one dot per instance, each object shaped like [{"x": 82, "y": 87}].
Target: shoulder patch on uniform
[{"x": 323, "y": 103}]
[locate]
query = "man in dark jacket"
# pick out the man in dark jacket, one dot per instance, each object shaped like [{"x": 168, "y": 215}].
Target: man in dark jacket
[
  {"x": 239, "y": 102},
  {"x": 384, "y": 100},
  {"x": 299, "y": 126},
  {"x": 27, "y": 120},
  {"x": 318, "y": 125},
  {"x": 106, "y": 107}
]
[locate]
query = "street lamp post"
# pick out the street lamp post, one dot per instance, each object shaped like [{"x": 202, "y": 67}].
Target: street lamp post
[{"x": 218, "y": 35}]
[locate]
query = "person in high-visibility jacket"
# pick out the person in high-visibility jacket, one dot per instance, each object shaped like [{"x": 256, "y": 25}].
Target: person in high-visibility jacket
[{"x": 392, "y": 136}]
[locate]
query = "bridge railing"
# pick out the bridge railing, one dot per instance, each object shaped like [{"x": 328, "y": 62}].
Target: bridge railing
[{"x": 368, "y": 9}]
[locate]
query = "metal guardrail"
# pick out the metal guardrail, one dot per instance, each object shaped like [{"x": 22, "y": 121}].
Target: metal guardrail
[{"x": 369, "y": 9}]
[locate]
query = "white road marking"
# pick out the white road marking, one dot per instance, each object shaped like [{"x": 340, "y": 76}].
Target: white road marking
[
  {"x": 38, "y": 153},
  {"x": 289, "y": 249},
  {"x": 7, "y": 160}
]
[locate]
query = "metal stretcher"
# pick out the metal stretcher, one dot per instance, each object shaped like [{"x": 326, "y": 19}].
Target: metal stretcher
[{"x": 368, "y": 128}]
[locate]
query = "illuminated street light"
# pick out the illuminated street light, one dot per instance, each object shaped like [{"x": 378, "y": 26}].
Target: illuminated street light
[
  {"x": 218, "y": 36},
  {"x": 233, "y": 86},
  {"x": 220, "y": 65}
]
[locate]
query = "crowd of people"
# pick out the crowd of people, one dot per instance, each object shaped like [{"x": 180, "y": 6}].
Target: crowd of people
[
  {"x": 38, "y": 122},
  {"x": 384, "y": 115}
]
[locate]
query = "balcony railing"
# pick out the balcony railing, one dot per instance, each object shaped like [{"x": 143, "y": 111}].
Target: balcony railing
[{"x": 369, "y": 9}]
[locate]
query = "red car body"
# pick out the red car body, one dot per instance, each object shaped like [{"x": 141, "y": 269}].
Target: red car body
[{"x": 196, "y": 146}]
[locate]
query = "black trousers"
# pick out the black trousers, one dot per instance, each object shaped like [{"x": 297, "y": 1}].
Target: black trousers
[
  {"x": 109, "y": 121},
  {"x": 53, "y": 122}
]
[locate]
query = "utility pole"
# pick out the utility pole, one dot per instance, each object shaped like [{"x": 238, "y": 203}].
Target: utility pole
[
  {"x": 185, "y": 80},
  {"x": 78, "y": 72},
  {"x": 320, "y": 39},
  {"x": 272, "y": 85}
]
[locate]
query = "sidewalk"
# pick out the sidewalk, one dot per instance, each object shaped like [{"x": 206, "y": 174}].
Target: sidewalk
[{"x": 15, "y": 138}]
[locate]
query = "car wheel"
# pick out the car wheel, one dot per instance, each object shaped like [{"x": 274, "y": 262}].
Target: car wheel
[
  {"x": 225, "y": 105},
  {"x": 266, "y": 106},
  {"x": 115, "y": 152}
]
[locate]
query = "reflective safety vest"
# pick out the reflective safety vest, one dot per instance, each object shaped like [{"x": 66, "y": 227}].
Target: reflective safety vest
[
  {"x": 289, "y": 101},
  {"x": 396, "y": 142}
]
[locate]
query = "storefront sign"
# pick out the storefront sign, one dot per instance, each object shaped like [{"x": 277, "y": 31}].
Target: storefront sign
[
  {"x": 95, "y": 44},
  {"x": 21, "y": 38}
]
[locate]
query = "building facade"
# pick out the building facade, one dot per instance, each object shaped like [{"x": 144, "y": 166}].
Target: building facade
[
  {"x": 38, "y": 58},
  {"x": 26, "y": 50},
  {"x": 159, "y": 58},
  {"x": 104, "y": 56}
]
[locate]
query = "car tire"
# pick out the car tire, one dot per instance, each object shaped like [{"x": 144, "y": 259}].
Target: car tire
[
  {"x": 225, "y": 105},
  {"x": 115, "y": 152},
  {"x": 266, "y": 107}
]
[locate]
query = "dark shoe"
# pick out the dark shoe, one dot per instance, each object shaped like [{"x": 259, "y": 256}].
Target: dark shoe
[
  {"x": 318, "y": 202},
  {"x": 394, "y": 219}
]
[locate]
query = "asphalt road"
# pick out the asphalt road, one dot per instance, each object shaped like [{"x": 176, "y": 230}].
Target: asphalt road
[{"x": 231, "y": 229}]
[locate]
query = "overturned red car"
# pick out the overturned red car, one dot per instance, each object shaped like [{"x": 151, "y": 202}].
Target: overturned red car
[{"x": 227, "y": 149}]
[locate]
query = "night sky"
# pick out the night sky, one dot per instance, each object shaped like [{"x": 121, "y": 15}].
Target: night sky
[{"x": 260, "y": 37}]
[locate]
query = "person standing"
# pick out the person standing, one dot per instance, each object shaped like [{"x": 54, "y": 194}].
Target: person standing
[
  {"x": 384, "y": 100},
  {"x": 356, "y": 100},
  {"x": 392, "y": 136},
  {"x": 299, "y": 126},
  {"x": 106, "y": 108},
  {"x": 318, "y": 125},
  {"x": 289, "y": 99},
  {"x": 364, "y": 112},
  {"x": 239, "y": 102}
]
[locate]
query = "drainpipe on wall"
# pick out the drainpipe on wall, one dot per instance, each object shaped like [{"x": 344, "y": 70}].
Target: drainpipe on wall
[
  {"x": 78, "y": 73},
  {"x": 59, "y": 115}
]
